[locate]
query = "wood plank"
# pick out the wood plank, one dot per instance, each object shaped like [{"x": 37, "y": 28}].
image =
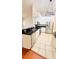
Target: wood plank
[{"x": 29, "y": 54}]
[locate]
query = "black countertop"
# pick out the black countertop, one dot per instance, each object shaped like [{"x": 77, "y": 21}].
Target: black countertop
[{"x": 30, "y": 31}]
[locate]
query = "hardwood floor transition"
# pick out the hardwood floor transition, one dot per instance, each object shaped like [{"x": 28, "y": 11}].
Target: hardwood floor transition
[{"x": 29, "y": 54}]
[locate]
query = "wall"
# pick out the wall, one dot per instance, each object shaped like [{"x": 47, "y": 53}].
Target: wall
[
  {"x": 27, "y": 13},
  {"x": 44, "y": 19}
]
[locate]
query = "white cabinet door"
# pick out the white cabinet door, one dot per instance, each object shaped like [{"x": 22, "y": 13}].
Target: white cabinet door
[
  {"x": 37, "y": 33},
  {"x": 35, "y": 37},
  {"x": 43, "y": 30},
  {"x": 26, "y": 41}
]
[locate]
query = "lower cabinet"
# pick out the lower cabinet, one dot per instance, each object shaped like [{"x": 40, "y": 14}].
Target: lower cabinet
[
  {"x": 35, "y": 37},
  {"x": 26, "y": 41},
  {"x": 43, "y": 30}
]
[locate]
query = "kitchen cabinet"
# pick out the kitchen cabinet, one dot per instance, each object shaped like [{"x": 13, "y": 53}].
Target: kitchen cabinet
[
  {"x": 35, "y": 37},
  {"x": 28, "y": 41},
  {"x": 43, "y": 30}
]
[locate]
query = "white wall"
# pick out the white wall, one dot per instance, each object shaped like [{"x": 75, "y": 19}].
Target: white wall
[
  {"x": 27, "y": 13},
  {"x": 44, "y": 19}
]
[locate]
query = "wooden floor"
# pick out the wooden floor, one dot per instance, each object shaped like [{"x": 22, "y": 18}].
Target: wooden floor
[
  {"x": 24, "y": 51},
  {"x": 29, "y": 54}
]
